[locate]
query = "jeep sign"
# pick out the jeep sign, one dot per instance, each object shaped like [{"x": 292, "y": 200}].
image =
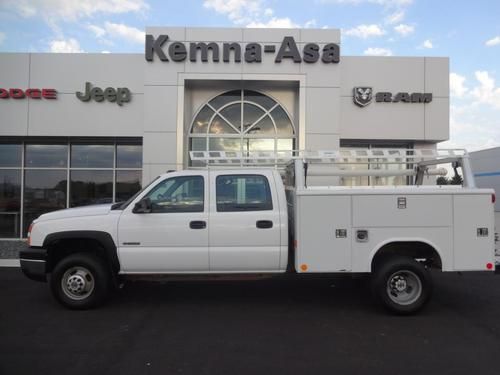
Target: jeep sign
[{"x": 119, "y": 95}]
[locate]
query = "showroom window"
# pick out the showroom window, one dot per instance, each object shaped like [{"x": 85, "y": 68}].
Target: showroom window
[
  {"x": 34, "y": 178},
  {"x": 242, "y": 120},
  {"x": 375, "y": 180}
]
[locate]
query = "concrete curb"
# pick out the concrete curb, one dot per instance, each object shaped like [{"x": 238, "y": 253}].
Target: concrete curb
[{"x": 9, "y": 263}]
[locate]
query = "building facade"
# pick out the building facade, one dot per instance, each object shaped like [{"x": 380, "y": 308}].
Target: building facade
[{"x": 78, "y": 129}]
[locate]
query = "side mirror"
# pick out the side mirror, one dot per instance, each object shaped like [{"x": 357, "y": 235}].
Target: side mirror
[{"x": 144, "y": 206}]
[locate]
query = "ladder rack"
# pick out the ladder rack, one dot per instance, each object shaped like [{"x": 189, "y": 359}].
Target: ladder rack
[
  {"x": 343, "y": 156},
  {"x": 412, "y": 162}
]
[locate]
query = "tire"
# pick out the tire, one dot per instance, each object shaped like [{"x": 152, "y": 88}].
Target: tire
[
  {"x": 80, "y": 281},
  {"x": 402, "y": 285}
]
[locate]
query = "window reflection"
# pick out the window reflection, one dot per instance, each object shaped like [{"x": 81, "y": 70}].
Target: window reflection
[
  {"x": 91, "y": 187},
  {"x": 261, "y": 99},
  {"x": 127, "y": 184},
  {"x": 44, "y": 191},
  {"x": 129, "y": 156},
  {"x": 10, "y": 203},
  {"x": 10, "y": 155},
  {"x": 92, "y": 156},
  {"x": 226, "y": 98},
  {"x": 46, "y": 156},
  {"x": 200, "y": 123},
  {"x": 46, "y": 171}
]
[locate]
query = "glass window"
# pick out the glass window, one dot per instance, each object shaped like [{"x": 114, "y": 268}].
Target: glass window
[
  {"x": 243, "y": 193},
  {"x": 200, "y": 123},
  {"x": 44, "y": 191},
  {"x": 127, "y": 184},
  {"x": 10, "y": 203},
  {"x": 220, "y": 126},
  {"x": 232, "y": 114},
  {"x": 283, "y": 123},
  {"x": 46, "y": 156},
  {"x": 129, "y": 156},
  {"x": 91, "y": 187},
  {"x": 261, "y": 99},
  {"x": 251, "y": 113},
  {"x": 226, "y": 98},
  {"x": 10, "y": 155},
  {"x": 264, "y": 125},
  {"x": 92, "y": 156},
  {"x": 178, "y": 194},
  {"x": 224, "y": 144}
]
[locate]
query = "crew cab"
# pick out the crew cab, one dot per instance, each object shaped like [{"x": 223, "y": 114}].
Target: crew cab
[{"x": 236, "y": 219}]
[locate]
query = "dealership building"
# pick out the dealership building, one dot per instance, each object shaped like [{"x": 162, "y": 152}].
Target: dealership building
[{"x": 79, "y": 129}]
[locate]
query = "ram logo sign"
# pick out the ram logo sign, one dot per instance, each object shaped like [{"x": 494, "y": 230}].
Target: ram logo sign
[{"x": 363, "y": 96}]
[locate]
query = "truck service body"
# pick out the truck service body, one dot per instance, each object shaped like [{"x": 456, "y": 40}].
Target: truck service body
[{"x": 244, "y": 220}]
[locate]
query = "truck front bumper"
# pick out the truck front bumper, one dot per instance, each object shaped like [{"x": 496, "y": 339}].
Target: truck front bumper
[{"x": 33, "y": 263}]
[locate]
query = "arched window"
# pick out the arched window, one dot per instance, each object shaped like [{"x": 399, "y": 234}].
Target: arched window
[{"x": 242, "y": 120}]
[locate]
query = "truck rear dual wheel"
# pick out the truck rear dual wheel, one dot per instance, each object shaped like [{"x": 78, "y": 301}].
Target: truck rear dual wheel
[
  {"x": 402, "y": 285},
  {"x": 80, "y": 281}
]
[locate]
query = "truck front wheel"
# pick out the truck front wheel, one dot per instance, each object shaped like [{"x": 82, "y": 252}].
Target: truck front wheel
[
  {"x": 80, "y": 281},
  {"x": 402, "y": 285}
]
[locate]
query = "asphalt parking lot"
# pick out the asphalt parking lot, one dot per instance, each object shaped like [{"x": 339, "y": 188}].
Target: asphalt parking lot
[{"x": 250, "y": 327}]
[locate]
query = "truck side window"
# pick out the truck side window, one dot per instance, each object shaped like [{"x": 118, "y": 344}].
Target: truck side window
[
  {"x": 243, "y": 193},
  {"x": 178, "y": 194}
]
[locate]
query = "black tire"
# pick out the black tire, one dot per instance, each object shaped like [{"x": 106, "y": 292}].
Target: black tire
[
  {"x": 80, "y": 281},
  {"x": 402, "y": 285}
]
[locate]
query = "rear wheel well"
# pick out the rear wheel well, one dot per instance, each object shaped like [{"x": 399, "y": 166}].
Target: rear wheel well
[
  {"x": 62, "y": 248},
  {"x": 420, "y": 251}
]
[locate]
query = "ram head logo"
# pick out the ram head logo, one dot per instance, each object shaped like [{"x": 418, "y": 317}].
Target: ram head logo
[{"x": 362, "y": 96}]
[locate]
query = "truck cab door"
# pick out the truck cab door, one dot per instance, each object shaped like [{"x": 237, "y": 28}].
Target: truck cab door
[
  {"x": 245, "y": 226},
  {"x": 169, "y": 232}
]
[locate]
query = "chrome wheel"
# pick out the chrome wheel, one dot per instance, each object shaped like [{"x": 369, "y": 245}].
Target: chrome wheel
[
  {"x": 77, "y": 283},
  {"x": 404, "y": 287}
]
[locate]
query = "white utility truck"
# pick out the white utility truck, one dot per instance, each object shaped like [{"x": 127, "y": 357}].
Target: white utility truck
[{"x": 254, "y": 213}]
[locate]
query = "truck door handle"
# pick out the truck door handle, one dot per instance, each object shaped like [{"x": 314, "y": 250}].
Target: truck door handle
[
  {"x": 264, "y": 224},
  {"x": 198, "y": 224}
]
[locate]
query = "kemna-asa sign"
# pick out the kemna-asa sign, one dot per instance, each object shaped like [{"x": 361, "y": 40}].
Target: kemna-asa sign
[{"x": 166, "y": 51}]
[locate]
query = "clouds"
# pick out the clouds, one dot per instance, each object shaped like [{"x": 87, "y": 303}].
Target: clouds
[
  {"x": 457, "y": 88},
  {"x": 427, "y": 44},
  {"x": 404, "y": 30},
  {"x": 2, "y": 37},
  {"x": 73, "y": 9},
  {"x": 122, "y": 31},
  {"x": 375, "y": 51},
  {"x": 274, "y": 23},
  {"x": 58, "y": 13},
  {"x": 395, "y": 17},
  {"x": 487, "y": 92},
  {"x": 386, "y": 3},
  {"x": 253, "y": 13},
  {"x": 492, "y": 42},
  {"x": 474, "y": 113},
  {"x": 65, "y": 46},
  {"x": 365, "y": 31},
  {"x": 239, "y": 11}
]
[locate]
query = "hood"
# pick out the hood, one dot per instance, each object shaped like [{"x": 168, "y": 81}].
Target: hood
[{"x": 100, "y": 209}]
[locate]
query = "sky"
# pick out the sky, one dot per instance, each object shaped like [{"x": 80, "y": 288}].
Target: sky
[{"x": 466, "y": 32}]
